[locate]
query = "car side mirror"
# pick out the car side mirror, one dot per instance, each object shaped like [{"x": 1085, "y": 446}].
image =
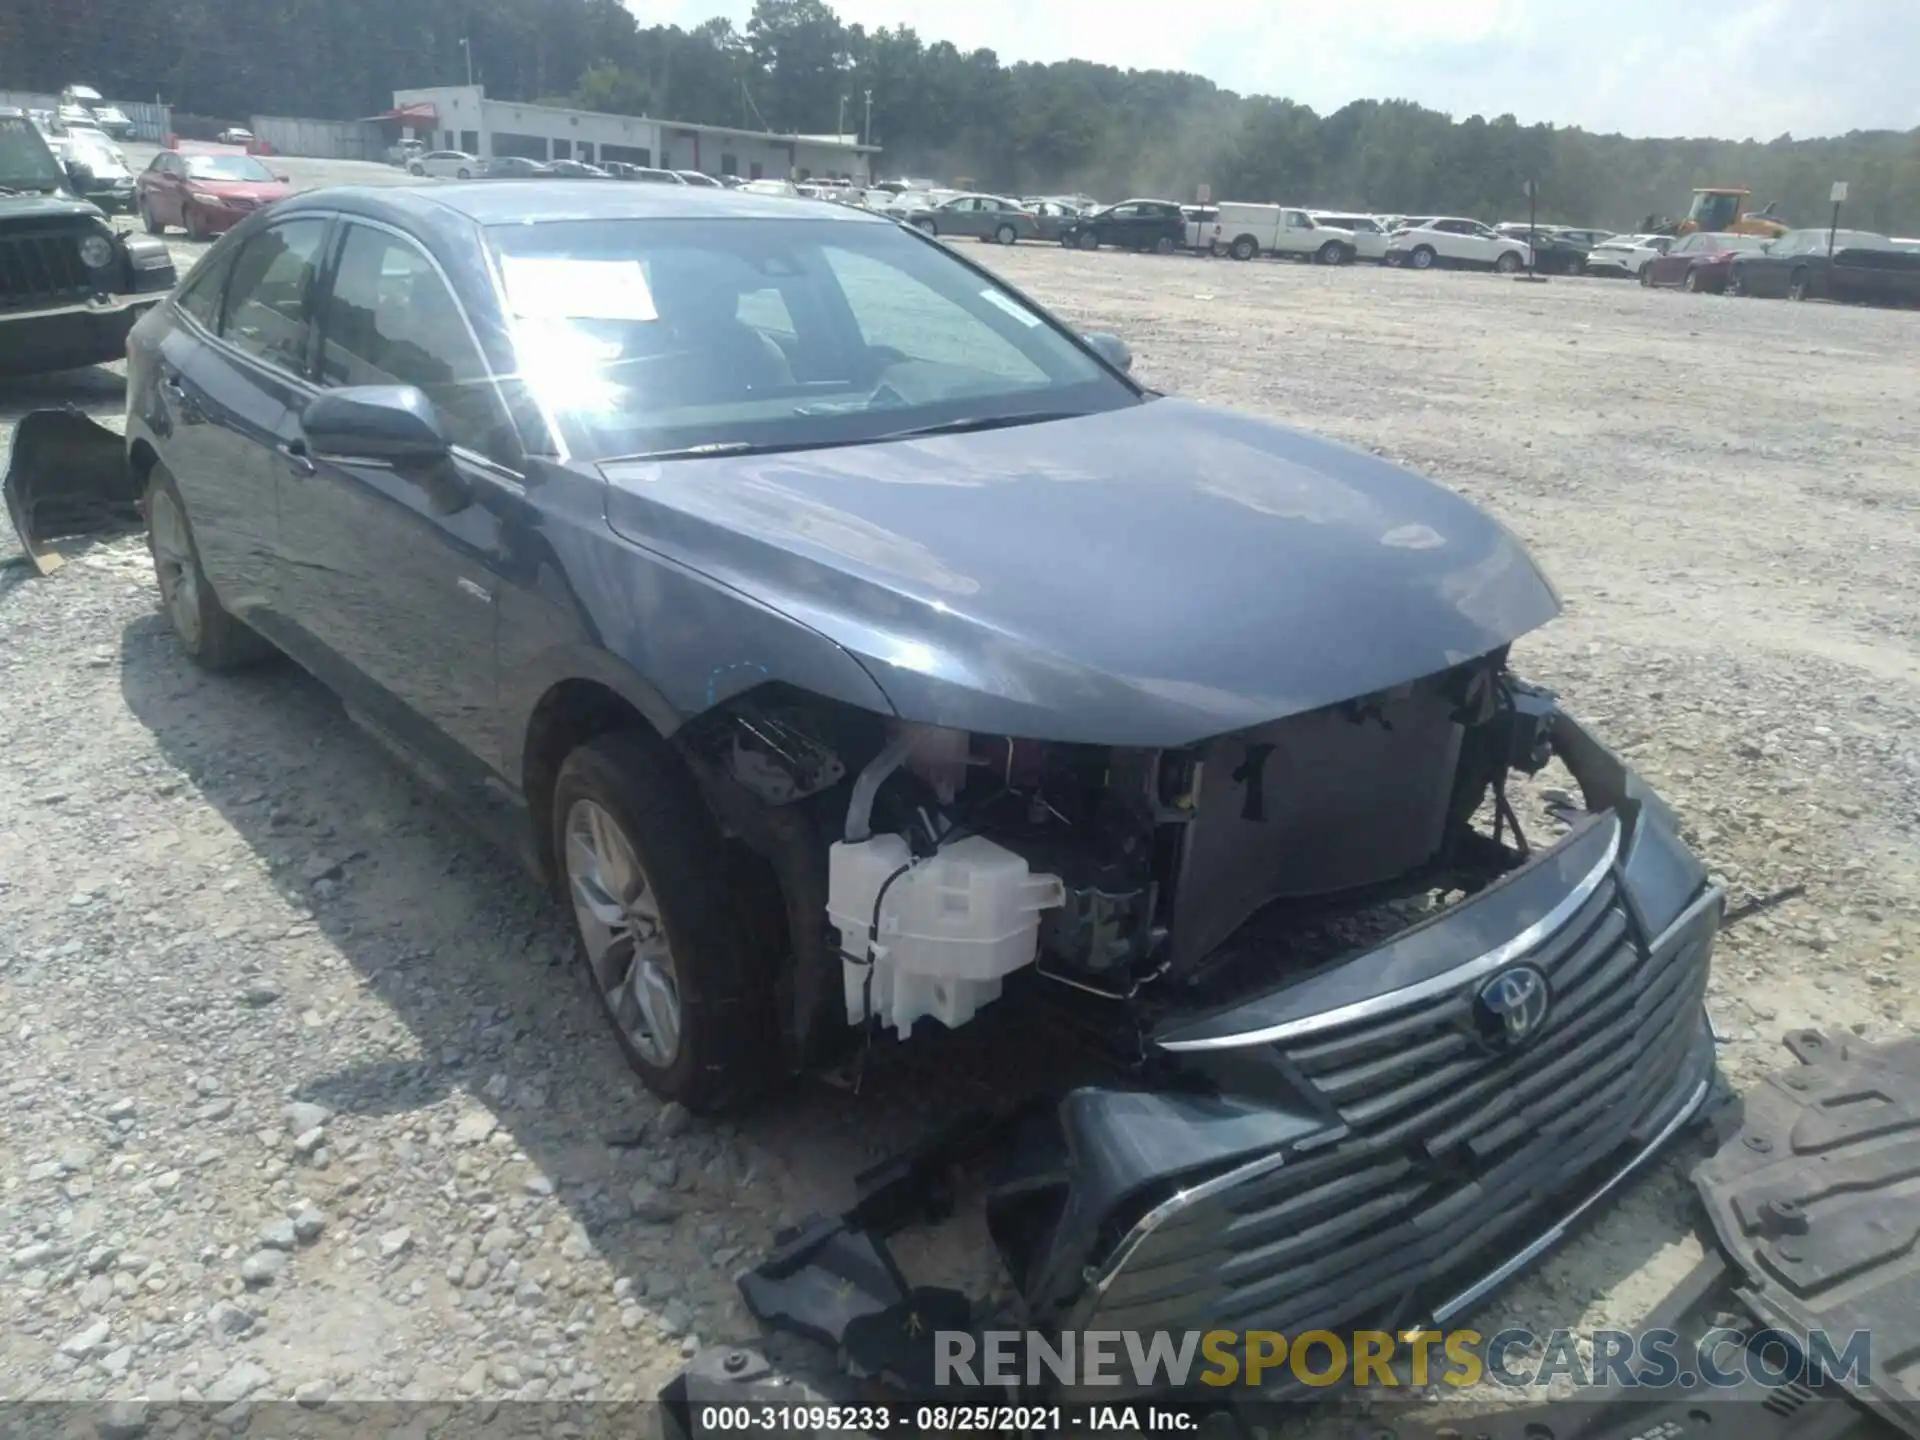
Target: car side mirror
[
  {"x": 283, "y": 179},
  {"x": 1110, "y": 348},
  {"x": 394, "y": 426}
]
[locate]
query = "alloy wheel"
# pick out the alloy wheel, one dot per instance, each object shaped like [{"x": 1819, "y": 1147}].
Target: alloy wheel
[
  {"x": 620, "y": 926},
  {"x": 174, "y": 567}
]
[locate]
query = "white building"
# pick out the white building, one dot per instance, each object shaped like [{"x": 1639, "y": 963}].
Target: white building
[{"x": 461, "y": 117}]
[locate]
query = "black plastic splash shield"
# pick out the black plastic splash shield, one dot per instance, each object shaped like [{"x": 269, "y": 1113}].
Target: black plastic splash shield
[{"x": 1817, "y": 1200}]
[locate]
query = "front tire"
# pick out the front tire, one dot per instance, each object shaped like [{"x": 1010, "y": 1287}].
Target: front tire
[
  {"x": 1163, "y": 246},
  {"x": 1692, "y": 283},
  {"x": 658, "y": 917},
  {"x": 1799, "y": 286},
  {"x": 1508, "y": 263},
  {"x": 196, "y": 227},
  {"x": 464, "y": 173},
  {"x": 1089, "y": 241},
  {"x": 1423, "y": 257},
  {"x": 149, "y": 221},
  {"x": 1646, "y": 277},
  {"x": 929, "y": 226},
  {"x": 213, "y": 639},
  {"x": 417, "y": 169},
  {"x": 1331, "y": 253},
  {"x": 1006, "y": 235}
]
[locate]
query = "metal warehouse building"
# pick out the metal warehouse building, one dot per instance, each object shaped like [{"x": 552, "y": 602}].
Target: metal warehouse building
[{"x": 461, "y": 117}]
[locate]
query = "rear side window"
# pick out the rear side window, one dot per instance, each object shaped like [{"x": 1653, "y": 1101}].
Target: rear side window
[
  {"x": 391, "y": 320},
  {"x": 268, "y": 298},
  {"x": 200, "y": 296}
]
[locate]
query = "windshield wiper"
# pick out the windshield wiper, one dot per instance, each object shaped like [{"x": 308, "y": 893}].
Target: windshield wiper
[
  {"x": 774, "y": 447},
  {"x": 967, "y": 424}
]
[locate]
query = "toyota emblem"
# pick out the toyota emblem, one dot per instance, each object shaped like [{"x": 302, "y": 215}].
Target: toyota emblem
[{"x": 1511, "y": 1008}]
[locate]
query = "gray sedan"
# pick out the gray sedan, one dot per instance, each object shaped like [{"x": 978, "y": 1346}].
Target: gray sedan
[{"x": 985, "y": 217}]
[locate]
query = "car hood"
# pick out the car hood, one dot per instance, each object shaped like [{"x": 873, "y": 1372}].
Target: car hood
[
  {"x": 45, "y": 207},
  {"x": 1153, "y": 575}
]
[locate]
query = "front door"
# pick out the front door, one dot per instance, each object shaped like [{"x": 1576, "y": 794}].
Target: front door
[
  {"x": 230, "y": 402},
  {"x": 394, "y": 577}
]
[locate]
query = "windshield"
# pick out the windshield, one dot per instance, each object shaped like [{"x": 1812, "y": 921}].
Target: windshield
[
  {"x": 25, "y": 161},
  {"x": 226, "y": 167},
  {"x": 649, "y": 336}
]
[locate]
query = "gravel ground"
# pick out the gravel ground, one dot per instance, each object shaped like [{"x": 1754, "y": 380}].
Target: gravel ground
[{"x": 305, "y": 1097}]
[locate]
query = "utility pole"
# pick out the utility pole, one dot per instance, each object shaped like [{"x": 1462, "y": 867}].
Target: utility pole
[
  {"x": 466, "y": 47},
  {"x": 840, "y": 125},
  {"x": 866, "y": 130}
]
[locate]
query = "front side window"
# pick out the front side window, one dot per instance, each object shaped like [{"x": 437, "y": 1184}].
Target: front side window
[
  {"x": 648, "y": 336},
  {"x": 267, "y": 312},
  {"x": 391, "y": 320}
]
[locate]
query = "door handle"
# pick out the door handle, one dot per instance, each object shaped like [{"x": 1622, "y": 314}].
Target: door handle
[
  {"x": 188, "y": 408},
  {"x": 294, "y": 452}
]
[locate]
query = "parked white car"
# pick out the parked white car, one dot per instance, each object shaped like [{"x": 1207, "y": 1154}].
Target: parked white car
[
  {"x": 235, "y": 135},
  {"x": 1450, "y": 240},
  {"x": 771, "y": 187},
  {"x": 448, "y": 164},
  {"x": 1625, "y": 256},
  {"x": 1246, "y": 230},
  {"x": 1369, "y": 235}
]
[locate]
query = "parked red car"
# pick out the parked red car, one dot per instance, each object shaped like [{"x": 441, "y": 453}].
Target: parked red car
[
  {"x": 205, "y": 195},
  {"x": 1700, "y": 261}
]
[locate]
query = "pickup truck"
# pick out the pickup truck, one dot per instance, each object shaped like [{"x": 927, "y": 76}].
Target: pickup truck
[
  {"x": 70, "y": 286},
  {"x": 1244, "y": 231}
]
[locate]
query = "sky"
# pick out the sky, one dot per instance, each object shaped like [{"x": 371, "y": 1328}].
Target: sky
[{"x": 1732, "y": 69}]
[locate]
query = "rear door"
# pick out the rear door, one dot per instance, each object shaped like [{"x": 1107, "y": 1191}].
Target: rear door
[{"x": 397, "y": 580}]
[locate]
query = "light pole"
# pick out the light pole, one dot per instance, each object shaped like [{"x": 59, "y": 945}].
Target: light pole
[
  {"x": 866, "y": 130},
  {"x": 466, "y": 48},
  {"x": 840, "y": 125}
]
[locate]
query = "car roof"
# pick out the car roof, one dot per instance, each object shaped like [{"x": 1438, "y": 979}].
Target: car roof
[{"x": 498, "y": 202}]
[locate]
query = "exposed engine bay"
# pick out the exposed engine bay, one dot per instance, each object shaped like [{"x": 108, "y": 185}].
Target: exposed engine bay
[{"x": 1126, "y": 876}]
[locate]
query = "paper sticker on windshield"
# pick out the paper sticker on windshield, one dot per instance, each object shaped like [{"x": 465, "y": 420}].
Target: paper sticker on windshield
[
  {"x": 551, "y": 287},
  {"x": 1001, "y": 302}
]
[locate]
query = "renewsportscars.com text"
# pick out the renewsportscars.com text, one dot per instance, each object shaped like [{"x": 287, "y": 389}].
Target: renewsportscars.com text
[{"x": 1156, "y": 1360}]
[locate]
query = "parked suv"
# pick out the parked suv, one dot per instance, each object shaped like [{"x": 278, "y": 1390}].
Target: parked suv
[
  {"x": 1458, "y": 242},
  {"x": 1155, "y": 225},
  {"x": 70, "y": 287}
]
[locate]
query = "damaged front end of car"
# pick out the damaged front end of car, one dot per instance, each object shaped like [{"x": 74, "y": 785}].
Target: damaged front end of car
[{"x": 1363, "y": 1051}]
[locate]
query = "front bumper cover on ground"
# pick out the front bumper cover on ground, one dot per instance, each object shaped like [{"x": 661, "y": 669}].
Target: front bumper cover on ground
[
  {"x": 1366, "y": 1155},
  {"x": 66, "y": 475}
]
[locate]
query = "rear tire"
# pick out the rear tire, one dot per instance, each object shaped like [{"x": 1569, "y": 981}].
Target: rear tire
[
  {"x": 1245, "y": 248},
  {"x": 1163, "y": 246},
  {"x": 213, "y": 639},
  {"x": 628, "y": 790},
  {"x": 417, "y": 169},
  {"x": 1799, "y": 286},
  {"x": 149, "y": 221},
  {"x": 1692, "y": 282},
  {"x": 1646, "y": 276},
  {"x": 1089, "y": 241}
]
